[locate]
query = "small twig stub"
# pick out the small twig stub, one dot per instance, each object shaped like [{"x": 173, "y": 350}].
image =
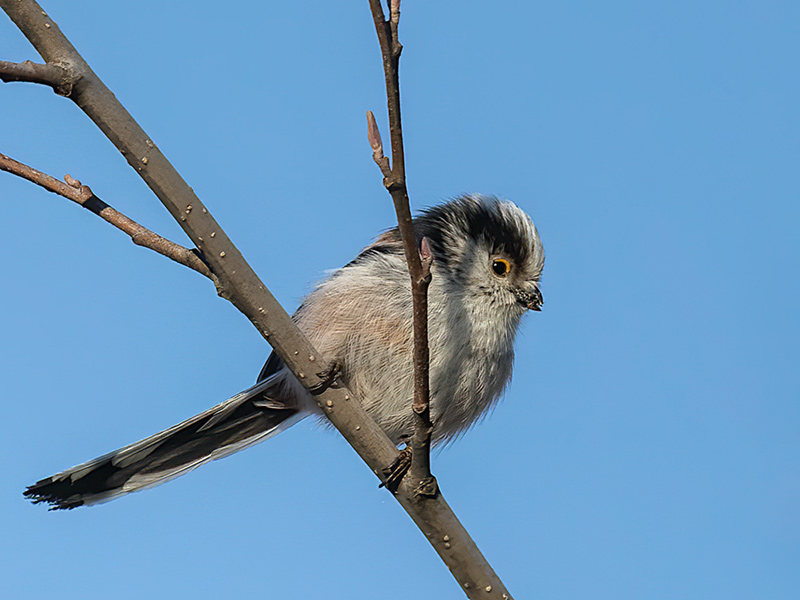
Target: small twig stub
[{"x": 56, "y": 76}]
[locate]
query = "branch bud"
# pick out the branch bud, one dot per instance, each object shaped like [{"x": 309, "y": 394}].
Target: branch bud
[
  {"x": 374, "y": 134},
  {"x": 425, "y": 257}
]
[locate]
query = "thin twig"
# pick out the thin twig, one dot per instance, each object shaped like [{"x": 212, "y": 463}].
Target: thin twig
[
  {"x": 395, "y": 182},
  {"x": 469, "y": 566},
  {"x": 58, "y": 78},
  {"x": 83, "y": 195}
]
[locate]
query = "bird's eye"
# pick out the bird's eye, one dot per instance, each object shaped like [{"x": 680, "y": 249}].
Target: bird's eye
[{"x": 501, "y": 267}]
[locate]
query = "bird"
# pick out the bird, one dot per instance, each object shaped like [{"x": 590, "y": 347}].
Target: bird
[{"x": 487, "y": 265}]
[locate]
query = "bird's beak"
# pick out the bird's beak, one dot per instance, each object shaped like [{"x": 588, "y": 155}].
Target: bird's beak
[
  {"x": 536, "y": 301},
  {"x": 532, "y": 300}
]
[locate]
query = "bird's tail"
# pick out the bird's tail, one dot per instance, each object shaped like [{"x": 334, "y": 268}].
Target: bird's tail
[{"x": 245, "y": 419}]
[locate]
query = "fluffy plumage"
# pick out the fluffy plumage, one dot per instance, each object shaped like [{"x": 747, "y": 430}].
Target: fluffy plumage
[{"x": 488, "y": 260}]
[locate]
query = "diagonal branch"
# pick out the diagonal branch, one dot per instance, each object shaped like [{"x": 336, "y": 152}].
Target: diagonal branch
[{"x": 83, "y": 195}]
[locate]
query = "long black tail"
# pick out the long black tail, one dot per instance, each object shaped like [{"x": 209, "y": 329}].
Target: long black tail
[{"x": 243, "y": 420}]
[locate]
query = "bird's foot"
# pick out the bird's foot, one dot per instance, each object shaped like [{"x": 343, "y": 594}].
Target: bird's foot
[
  {"x": 395, "y": 472},
  {"x": 328, "y": 379},
  {"x": 427, "y": 487}
]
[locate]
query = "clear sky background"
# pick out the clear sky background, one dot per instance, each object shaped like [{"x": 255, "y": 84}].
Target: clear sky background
[{"x": 648, "y": 444}]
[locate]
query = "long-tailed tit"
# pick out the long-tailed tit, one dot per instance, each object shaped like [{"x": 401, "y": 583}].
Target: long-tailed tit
[{"x": 487, "y": 262}]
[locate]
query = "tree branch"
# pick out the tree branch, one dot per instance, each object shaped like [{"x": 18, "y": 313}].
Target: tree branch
[
  {"x": 470, "y": 565},
  {"x": 57, "y": 77},
  {"x": 395, "y": 182},
  {"x": 240, "y": 285},
  {"x": 83, "y": 195}
]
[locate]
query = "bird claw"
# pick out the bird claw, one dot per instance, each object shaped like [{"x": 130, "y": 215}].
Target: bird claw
[
  {"x": 395, "y": 472},
  {"x": 328, "y": 379}
]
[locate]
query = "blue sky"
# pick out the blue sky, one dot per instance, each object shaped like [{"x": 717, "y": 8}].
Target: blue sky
[{"x": 648, "y": 445}]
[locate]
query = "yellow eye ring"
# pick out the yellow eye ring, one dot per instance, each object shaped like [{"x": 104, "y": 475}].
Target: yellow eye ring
[{"x": 501, "y": 267}]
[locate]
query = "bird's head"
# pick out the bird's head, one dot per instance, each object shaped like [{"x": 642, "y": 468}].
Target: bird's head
[{"x": 488, "y": 246}]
